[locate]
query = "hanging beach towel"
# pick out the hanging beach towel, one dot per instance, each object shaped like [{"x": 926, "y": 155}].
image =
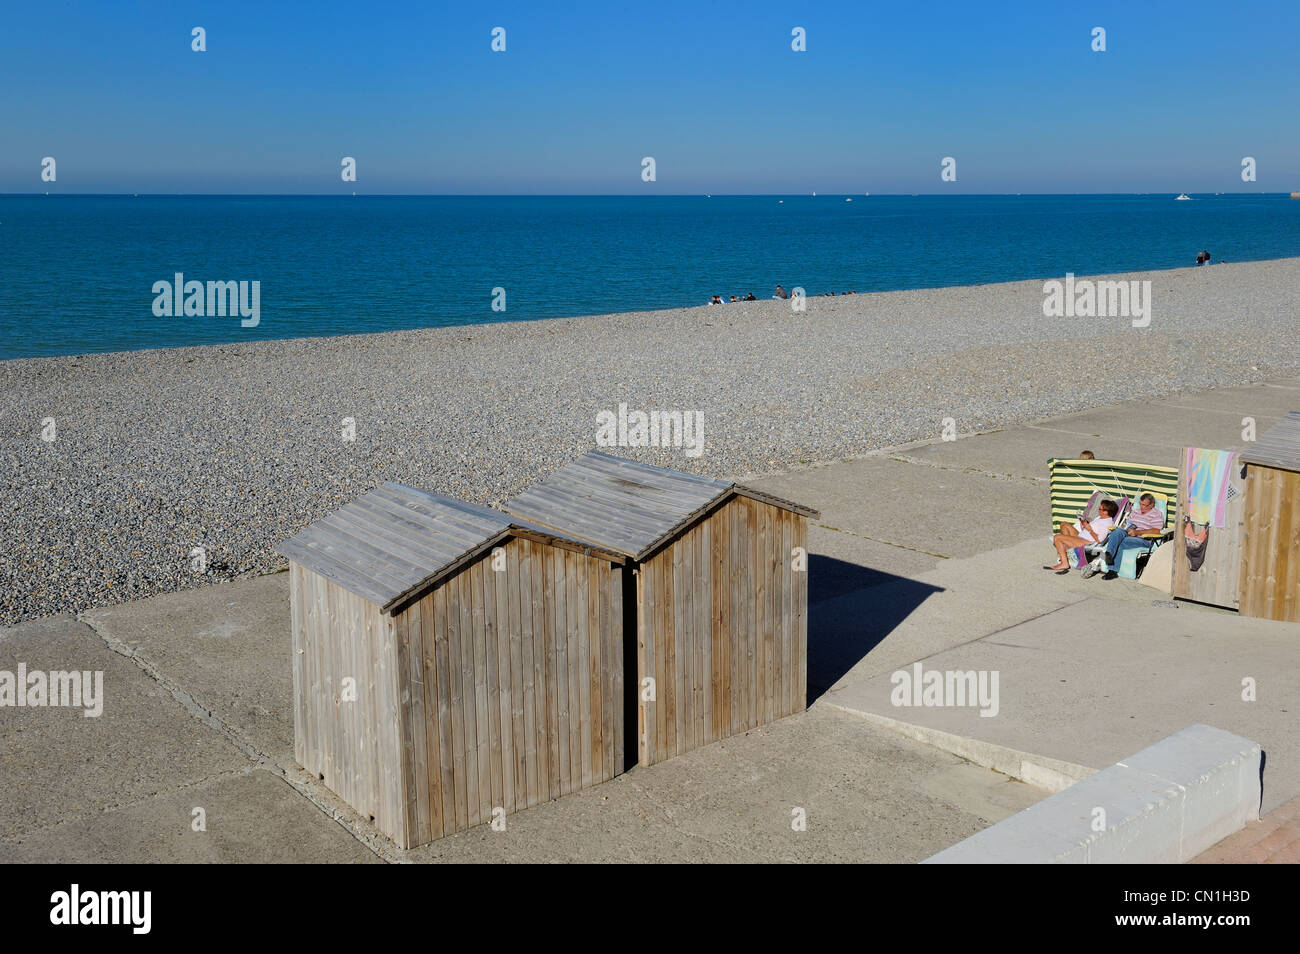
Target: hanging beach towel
[{"x": 1208, "y": 484}]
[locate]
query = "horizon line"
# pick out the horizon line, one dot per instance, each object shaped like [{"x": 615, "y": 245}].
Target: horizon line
[{"x": 597, "y": 195}]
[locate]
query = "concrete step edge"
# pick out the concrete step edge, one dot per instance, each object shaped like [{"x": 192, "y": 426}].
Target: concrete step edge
[{"x": 1051, "y": 775}]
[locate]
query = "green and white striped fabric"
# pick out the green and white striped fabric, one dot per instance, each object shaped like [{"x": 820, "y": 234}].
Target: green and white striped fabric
[{"x": 1072, "y": 482}]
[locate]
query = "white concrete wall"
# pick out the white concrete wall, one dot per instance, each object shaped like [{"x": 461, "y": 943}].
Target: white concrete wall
[{"x": 1166, "y": 804}]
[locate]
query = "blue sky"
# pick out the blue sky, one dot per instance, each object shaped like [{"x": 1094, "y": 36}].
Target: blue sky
[{"x": 414, "y": 92}]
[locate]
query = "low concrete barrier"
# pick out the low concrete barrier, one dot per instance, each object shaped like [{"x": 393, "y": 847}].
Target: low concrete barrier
[{"x": 1166, "y": 804}]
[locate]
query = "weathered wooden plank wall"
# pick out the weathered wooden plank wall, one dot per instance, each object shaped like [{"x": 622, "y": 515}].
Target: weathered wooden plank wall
[
  {"x": 1270, "y": 566},
  {"x": 722, "y": 629},
  {"x": 347, "y": 716},
  {"x": 500, "y": 689},
  {"x": 1217, "y": 582}
]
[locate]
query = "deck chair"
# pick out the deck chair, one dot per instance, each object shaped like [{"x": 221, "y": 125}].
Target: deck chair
[
  {"x": 1133, "y": 559},
  {"x": 1080, "y": 557},
  {"x": 1077, "y": 486}
]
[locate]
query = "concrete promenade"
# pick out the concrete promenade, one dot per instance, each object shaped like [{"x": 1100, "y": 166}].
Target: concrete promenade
[{"x": 926, "y": 553}]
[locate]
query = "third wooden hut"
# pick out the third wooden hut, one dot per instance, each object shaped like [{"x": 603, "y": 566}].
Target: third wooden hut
[{"x": 1270, "y": 559}]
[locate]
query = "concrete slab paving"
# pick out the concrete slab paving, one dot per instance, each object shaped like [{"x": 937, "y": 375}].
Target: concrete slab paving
[
  {"x": 733, "y": 801},
  {"x": 1150, "y": 431},
  {"x": 877, "y": 629},
  {"x": 1161, "y": 426},
  {"x": 935, "y": 511},
  {"x": 1280, "y": 395},
  {"x": 55, "y": 763},
  {"x": 1024, "y": 453},
  {"x": 1273, "y": 399},
  {"x": 840, "y": 562},
  {"x": 987, "y": 795},
  {"x": 1094, "y": 682},
  {"x": 251, "y": 816},
  {"x": 227, "y": 645}
]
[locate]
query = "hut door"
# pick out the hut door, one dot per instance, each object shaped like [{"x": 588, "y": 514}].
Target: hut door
[{"x": 1207, "y": 559}]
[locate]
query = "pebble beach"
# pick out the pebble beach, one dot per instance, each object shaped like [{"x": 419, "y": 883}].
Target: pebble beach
[{"x": 232, "y": 448}]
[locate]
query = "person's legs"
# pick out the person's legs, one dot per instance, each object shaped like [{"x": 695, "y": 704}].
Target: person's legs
[
  {"x": 1136, "y": 543},
  {"x": 1128, "y": 543},
  {"x": 1064, "y": 542},
  {"x": 1113, "y": 543}
]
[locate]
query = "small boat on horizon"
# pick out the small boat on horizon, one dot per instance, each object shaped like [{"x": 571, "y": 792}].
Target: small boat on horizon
[{"x": 1184, "y": 197}]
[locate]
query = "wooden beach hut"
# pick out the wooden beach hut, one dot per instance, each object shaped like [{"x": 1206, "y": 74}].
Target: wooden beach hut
[
  {"x": 451, "y": 663},
  {"x": 721, "y": 593},
  {"x": 1270, "y": 559}
]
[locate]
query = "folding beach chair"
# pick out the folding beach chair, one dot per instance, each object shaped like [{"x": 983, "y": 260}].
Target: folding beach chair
[
  {"x": 1077, "y": 487},
  {"x": 1082, "y": 556},
  {"x": 1132, "y": 559}
]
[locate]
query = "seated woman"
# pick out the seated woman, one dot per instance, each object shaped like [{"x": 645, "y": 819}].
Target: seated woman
[{"x": 1082, "y": 534}]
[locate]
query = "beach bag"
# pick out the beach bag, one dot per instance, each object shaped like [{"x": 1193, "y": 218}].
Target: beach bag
[{"x": 1196, "y": 550}]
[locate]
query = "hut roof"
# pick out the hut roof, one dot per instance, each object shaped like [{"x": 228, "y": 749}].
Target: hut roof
[
  {"x": 1279, "y": 446},
  {"x": 396, "y": 542},
  {"x": 626, "y": 506}
]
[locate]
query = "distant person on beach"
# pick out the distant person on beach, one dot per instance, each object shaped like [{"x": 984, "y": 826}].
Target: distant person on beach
[
  {"x": 1087, "y": 455},
  {"x": 1200, "y": 258},
  {"x": 717, "y": 300},
  {"x": 780, "y": 292},
  {"x": 734, "y": 298},
  {"x": 1082, "y": 534},
  {"x": 750, "y": 297}
]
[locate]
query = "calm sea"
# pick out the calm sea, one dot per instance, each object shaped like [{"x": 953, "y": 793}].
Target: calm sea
[{"x": 77, "y": 272}]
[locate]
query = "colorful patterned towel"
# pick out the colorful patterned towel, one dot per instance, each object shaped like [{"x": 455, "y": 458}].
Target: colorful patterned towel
[{"x": 1208, "y": 473}]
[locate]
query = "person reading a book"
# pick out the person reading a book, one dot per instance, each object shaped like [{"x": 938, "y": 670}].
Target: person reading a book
[{"x": 1082, "y": 534}]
